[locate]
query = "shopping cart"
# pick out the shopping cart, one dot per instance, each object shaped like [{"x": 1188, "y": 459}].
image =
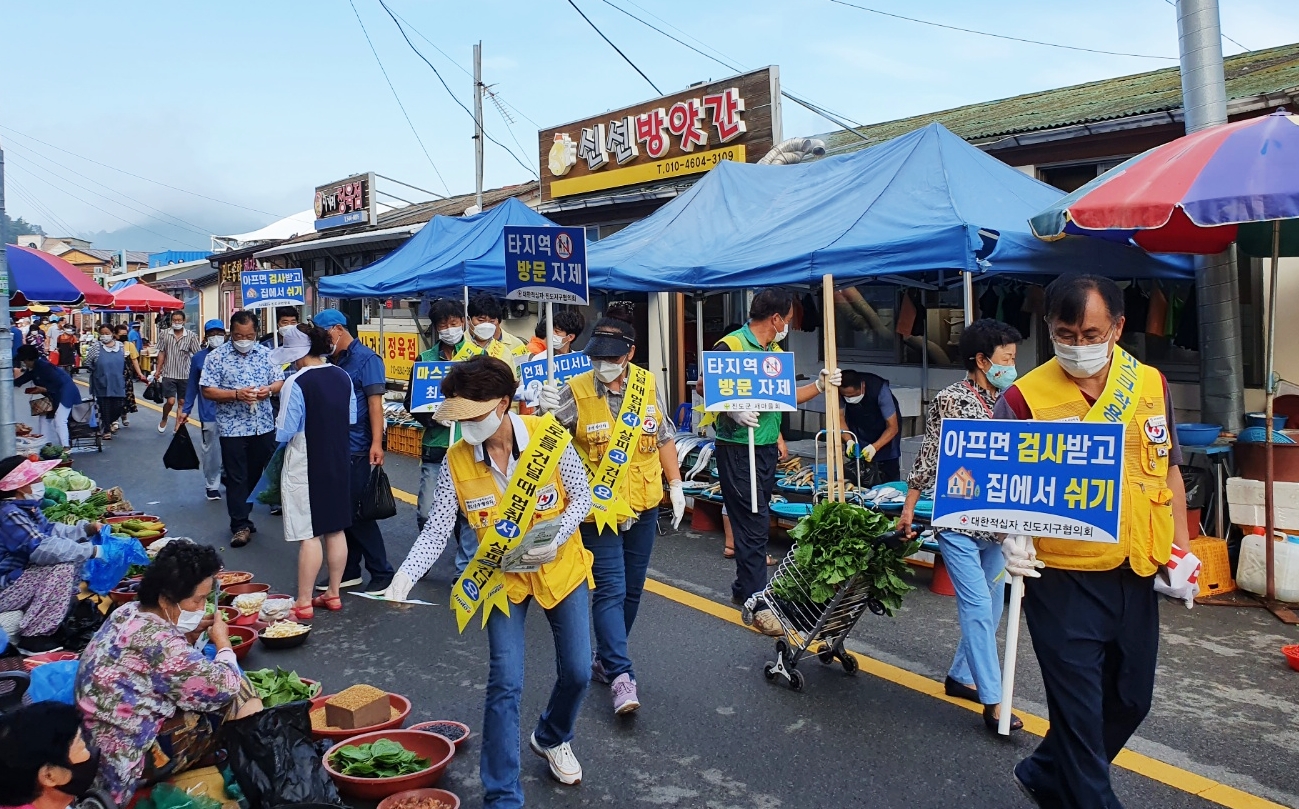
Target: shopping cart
[{"x": 812, "y": 628}]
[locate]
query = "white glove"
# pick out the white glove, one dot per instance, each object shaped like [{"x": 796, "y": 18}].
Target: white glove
[
  {"x": 1021, "y": 557},
  {"x": 1180, "y": 578},
  {"x": 399, "y": 588},
  {"x": 678, "y": 496},
  {"x": 828, "y": 377},
  {"x": 543, "y": 555},
  {"x": 745, "y": 418},
  {"x": 548, "y": 398},
  {"x": 868, "y": 452}
]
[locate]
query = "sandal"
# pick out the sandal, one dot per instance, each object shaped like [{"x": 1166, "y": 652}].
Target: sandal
[
  {"x": 728, "y": 553},
  {"x": 331, "y": 603},
  {"x": 302, "y": 613},
  {"x": 991, "y": 722}
]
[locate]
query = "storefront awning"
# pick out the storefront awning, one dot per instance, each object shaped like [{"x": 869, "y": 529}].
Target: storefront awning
[{"x": 335, "y": 242}]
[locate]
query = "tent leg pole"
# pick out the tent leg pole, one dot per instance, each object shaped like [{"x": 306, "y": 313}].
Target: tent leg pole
[
  {"x": 1269, "y": 504},
  {"x": 967, "y": 282},
  {"x": 382, "y": 352},
  {"x": 550, "y": 343},
  {"x": 699, "y": 350}
]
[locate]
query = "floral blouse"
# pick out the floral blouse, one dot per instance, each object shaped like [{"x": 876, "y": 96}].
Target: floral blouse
[
  {"x": 959, "y": 400},
  {"x": 137, "y": 672}
]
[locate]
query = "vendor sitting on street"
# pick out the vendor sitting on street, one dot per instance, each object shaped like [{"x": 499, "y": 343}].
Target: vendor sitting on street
[
  {"x": 40, "y": 561},
  {"x": 45, "y": 762},
  {"x": 152, "y": 702},
  {"x": 478, "y": 480},
  {"x": 870, "y": 412}
]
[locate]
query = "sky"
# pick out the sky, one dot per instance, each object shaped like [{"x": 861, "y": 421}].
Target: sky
[{"x": 250, "y": 105}]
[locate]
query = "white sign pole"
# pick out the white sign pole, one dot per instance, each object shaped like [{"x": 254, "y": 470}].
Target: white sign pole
[
  {"x": 550, "y": 343},
  {"x": 1012, "y": 646},
  {"x": 753, "y": 475}
]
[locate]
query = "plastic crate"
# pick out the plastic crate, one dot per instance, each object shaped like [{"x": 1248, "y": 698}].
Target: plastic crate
[
  {"x": 1215, "y": 570},
  {"x": 405, "y": 439}
]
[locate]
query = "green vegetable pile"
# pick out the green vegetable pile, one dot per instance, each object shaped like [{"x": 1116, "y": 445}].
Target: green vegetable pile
[
  {"x": 72, "y": 513},
  {"x": 277, "y": 686},
  {"x": 835, "y": 543},
  {"x": 381, "y": 759},
  {"x": 68, "y": 480}
]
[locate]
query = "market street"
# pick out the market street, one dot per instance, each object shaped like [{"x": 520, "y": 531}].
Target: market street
[{"x": 714, "y": 733}]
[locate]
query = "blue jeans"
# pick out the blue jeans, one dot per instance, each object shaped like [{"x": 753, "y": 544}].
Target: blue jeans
[
  {"x": 976, "y": 568},
  {"x": 621, "y": 559},
  {"x": 499, "y": 762},
  {"x": 466, "y": 536}
]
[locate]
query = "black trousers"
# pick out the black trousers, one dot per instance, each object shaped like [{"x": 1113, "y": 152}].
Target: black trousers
[
  {"x": 364, "y": 539},
  {"x": 1096, "y": 635},
  {"x": 750, "y": 529},
  {"x": 243, "y": 460}
]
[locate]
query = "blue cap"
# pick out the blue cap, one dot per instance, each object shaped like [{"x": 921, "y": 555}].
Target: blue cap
[
  {"x": 215, "y": 323},
  {"x": 329, "y": 318}
]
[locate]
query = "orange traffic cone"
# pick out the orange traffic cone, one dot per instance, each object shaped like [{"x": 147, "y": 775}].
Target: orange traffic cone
[{"x": 941, "y": 583}]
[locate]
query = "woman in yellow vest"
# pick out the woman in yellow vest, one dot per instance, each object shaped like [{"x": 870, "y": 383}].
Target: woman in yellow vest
[
  {"x": 514, "y": 478},
  {"x": 1093, "y": 610},
  {"x": 622, "y": 428}
]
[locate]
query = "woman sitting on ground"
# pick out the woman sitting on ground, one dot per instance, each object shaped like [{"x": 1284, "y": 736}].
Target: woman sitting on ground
[
  {"x": 45, "y": 762},
  {"x": 40, "y": 561},
  {"x": 153, "y": 704}
]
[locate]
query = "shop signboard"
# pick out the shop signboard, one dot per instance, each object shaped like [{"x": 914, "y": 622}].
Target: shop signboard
[
  {"x": 426, "y": 386},
  {"x": 749, "y": 380},
  {"x": 263, "y": 289},
  {"x": 399, "y": 351},
  {"x": 346, "y": 202},
  {"x": 1037, "y": 478},
  {"x": 545, "y": 264},
  {"x": 232, "y": 269},
  {"x": 678, "y": 135}
]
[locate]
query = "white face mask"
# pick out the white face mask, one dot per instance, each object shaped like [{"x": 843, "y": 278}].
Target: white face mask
[
  {"x": 782, "y": 334},
  {"x": 557, "y": 341},
  {"x": 476, "y": 432},
  {"x": 854, "y": 399},
  {"x": 178, "y": 326},
  {"x": 189, "y": 620},
  {"x": 38, "y": 490},
  {"x": 452, "y": 335},
  {"x": 105, "y": 338},
  {"x": 606, "y": 371},
  {"x": 244, "y": 346},
  {"x": 1082, "y": 362},
  {"x": 485, "y": 331},
  {"x": 216, "y": 341}
]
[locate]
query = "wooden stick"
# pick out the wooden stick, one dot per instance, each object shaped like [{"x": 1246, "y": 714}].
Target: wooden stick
[{"x": 833, "y": 418}]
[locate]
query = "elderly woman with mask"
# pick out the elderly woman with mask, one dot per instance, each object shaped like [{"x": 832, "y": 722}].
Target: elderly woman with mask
[{"x": 45, "y": 762}]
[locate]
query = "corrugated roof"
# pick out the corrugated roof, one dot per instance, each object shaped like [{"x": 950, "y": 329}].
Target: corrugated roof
[
  {"x": 132, "y": 256},
  {"x": 1249, "y": 75}
]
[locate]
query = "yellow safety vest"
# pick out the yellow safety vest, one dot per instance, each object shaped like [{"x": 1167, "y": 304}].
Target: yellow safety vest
[
  {"x": 1146, "y": 513},
  {"x": 479, "y": 497},
  {"x": 642, "y": 485}
]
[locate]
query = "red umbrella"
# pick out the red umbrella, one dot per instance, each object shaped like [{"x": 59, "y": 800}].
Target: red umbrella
[
  {"x": 36, "y": 277},
  {"x": 142, "y": 298}
]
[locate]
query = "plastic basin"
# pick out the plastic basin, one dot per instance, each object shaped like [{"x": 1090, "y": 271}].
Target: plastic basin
[
  {"x": 448, "y": 798},
  {"x": 338, "y": 734},
  {"x": 41, "y": 659},
  {"x": 1259, "y": 420},
  {"x": 457, "y": 737},
  {"x": 1291, "y": 655},
  {"x": 248, "y": 634},
  {"x": 228, "y": 594},
  {"x": 1198, "y": 435},
  {"x": 431, "y": 746}
]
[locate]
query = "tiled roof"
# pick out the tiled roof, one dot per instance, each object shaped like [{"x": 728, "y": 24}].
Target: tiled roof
[{"x": 1249, "y": 75}]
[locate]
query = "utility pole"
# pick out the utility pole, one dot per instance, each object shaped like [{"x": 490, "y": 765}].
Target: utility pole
[
  {"x": 1217, "y": 286},
  {"x": 7, "y": 441},
  {"x": 478, "y": 125}
]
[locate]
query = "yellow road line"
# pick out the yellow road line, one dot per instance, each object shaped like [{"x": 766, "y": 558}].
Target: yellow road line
[{"x": 1152, "y": 768}]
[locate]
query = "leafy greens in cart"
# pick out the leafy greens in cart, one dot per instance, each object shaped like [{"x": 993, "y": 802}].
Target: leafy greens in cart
[
  {"x": 379, "y": 759},
  {"x": 838, "y": 541}
]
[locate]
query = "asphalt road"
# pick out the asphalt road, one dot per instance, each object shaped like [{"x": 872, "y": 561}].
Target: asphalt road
[{"x": 713, "y": 733}]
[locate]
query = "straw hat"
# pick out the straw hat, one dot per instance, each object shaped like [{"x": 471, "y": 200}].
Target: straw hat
[{"x": 461, "y": 409}]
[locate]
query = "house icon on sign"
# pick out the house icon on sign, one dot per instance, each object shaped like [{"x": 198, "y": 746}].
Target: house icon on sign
[{"x": 962, "y": 484}]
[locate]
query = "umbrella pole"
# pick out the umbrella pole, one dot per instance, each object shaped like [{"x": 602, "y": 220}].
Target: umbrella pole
[
  {"x": 1269, "y": 500},
  {"x": 699, "y": 351},
  {"x": 833, "y": 418}
]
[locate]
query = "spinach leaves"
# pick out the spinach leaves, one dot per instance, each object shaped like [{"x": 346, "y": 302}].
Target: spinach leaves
[{"x": 380, "y": 759}]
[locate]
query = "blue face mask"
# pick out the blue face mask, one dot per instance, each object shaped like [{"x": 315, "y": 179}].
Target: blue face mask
[{"x": 1001, "y": 376}]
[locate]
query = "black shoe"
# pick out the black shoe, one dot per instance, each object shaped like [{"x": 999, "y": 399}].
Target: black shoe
[
  {"x": 1040, "y": 798},
  {"x": 959, "y": 690},
  {"x": 377, "y": 587},
  {"x": 213, "y": 494},
  {"x": 277, "y": 511},
  {"x": 345, "y": 584},
  {"x": 991, "y": 722}
]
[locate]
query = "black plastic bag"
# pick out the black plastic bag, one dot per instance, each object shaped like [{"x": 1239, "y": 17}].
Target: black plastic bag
[
  {"x": 274, "y": 760},
  {"x": 376, "y": 502},
  {"x": 153, "y": 392},
  {"x": 74, "y": 633},
  {"x": 1198, "y": 486},
  {"x": 180, "y": 454}
]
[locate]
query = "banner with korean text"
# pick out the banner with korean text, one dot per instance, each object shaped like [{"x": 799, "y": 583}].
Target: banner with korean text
[
  {"x": 1039, "y": 478},
  {"x": 749, "y": 380}
]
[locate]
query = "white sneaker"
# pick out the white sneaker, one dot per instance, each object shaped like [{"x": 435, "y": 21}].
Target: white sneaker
[{"x": 563, "y": 764}]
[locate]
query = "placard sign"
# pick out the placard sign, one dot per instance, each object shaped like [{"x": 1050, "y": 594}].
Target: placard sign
[
  {"x": 426, "y": 385},
  {"x": 267, "y": 288},
  {"x": 1039, "y": 478},
  {"x": 546, "y": 264},
  {"x": 566, "y": 366},
  {"x": 749, "y": 380},
  {"x": 399, "y": 351}
]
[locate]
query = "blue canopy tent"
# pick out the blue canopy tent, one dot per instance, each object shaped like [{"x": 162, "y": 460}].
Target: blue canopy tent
[
  {"x": 446, "y": 255},
  {"x": 925, "y": 202}
]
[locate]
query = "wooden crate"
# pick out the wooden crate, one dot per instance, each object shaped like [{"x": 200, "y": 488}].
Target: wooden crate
[{"x": 405, "y": 439}]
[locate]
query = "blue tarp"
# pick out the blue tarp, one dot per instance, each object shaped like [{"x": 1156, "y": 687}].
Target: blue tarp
[
  {"x": 915, "y": 204},
  {"x": 445, "y": 255}
]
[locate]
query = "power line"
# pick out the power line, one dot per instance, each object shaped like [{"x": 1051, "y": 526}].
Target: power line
[
  {"x": 1173, "y": 3},
  {"x": 137, "y": 176},
  {"x": 447, "y": 87},
  {"x": 624, "y": 56},
  {"x": 43, "y": 210},
  {"x": 1001, "y": 36},
  {"x": 405, "y": 114}
]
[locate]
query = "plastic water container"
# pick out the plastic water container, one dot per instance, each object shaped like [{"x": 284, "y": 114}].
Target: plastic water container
[{"x": 1251, "y": 573}]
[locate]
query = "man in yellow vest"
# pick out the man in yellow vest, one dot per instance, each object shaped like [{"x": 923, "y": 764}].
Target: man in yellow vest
[
  {"x": 485, "y": 314},
  {"x": 515, "y": 478},
  {"x": 622, "y": 428},
  {"x": 1093, "y": 610},
  {"x": 770, "y": 316}
]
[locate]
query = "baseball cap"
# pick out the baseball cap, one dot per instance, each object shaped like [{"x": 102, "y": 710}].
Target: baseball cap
[
  {"x": 611, "y": 338},
  {"x": 329, "y": 318},
  {"x": 216, "y": 324}
]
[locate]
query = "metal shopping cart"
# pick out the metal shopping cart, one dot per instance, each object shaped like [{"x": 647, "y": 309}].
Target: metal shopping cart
[{"x": 812, "y": 628}]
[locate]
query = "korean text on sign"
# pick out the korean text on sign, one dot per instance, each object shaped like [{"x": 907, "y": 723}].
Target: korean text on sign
[
  {"x": 266, "y": 288},
  {"x": 399, "y": 351},
  {"x": 749, "y": 380},
  {"x": 1041, "y": 478},
  {"x": 566, "y": 366},
  {"x": 426, "y": 385},
  {"x": 546, "y": 264}
]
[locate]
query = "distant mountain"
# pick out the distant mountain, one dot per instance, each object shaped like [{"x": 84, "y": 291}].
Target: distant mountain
[{"x": 152, "y": 238}]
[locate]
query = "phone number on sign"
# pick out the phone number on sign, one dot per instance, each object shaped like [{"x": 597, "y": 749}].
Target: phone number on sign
[{"x": 708, "y": 160}]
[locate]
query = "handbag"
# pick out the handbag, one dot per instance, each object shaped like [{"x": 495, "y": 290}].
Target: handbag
[
  {"x": 42, "y": 406},
  {"x": 377, "y": 502}
]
